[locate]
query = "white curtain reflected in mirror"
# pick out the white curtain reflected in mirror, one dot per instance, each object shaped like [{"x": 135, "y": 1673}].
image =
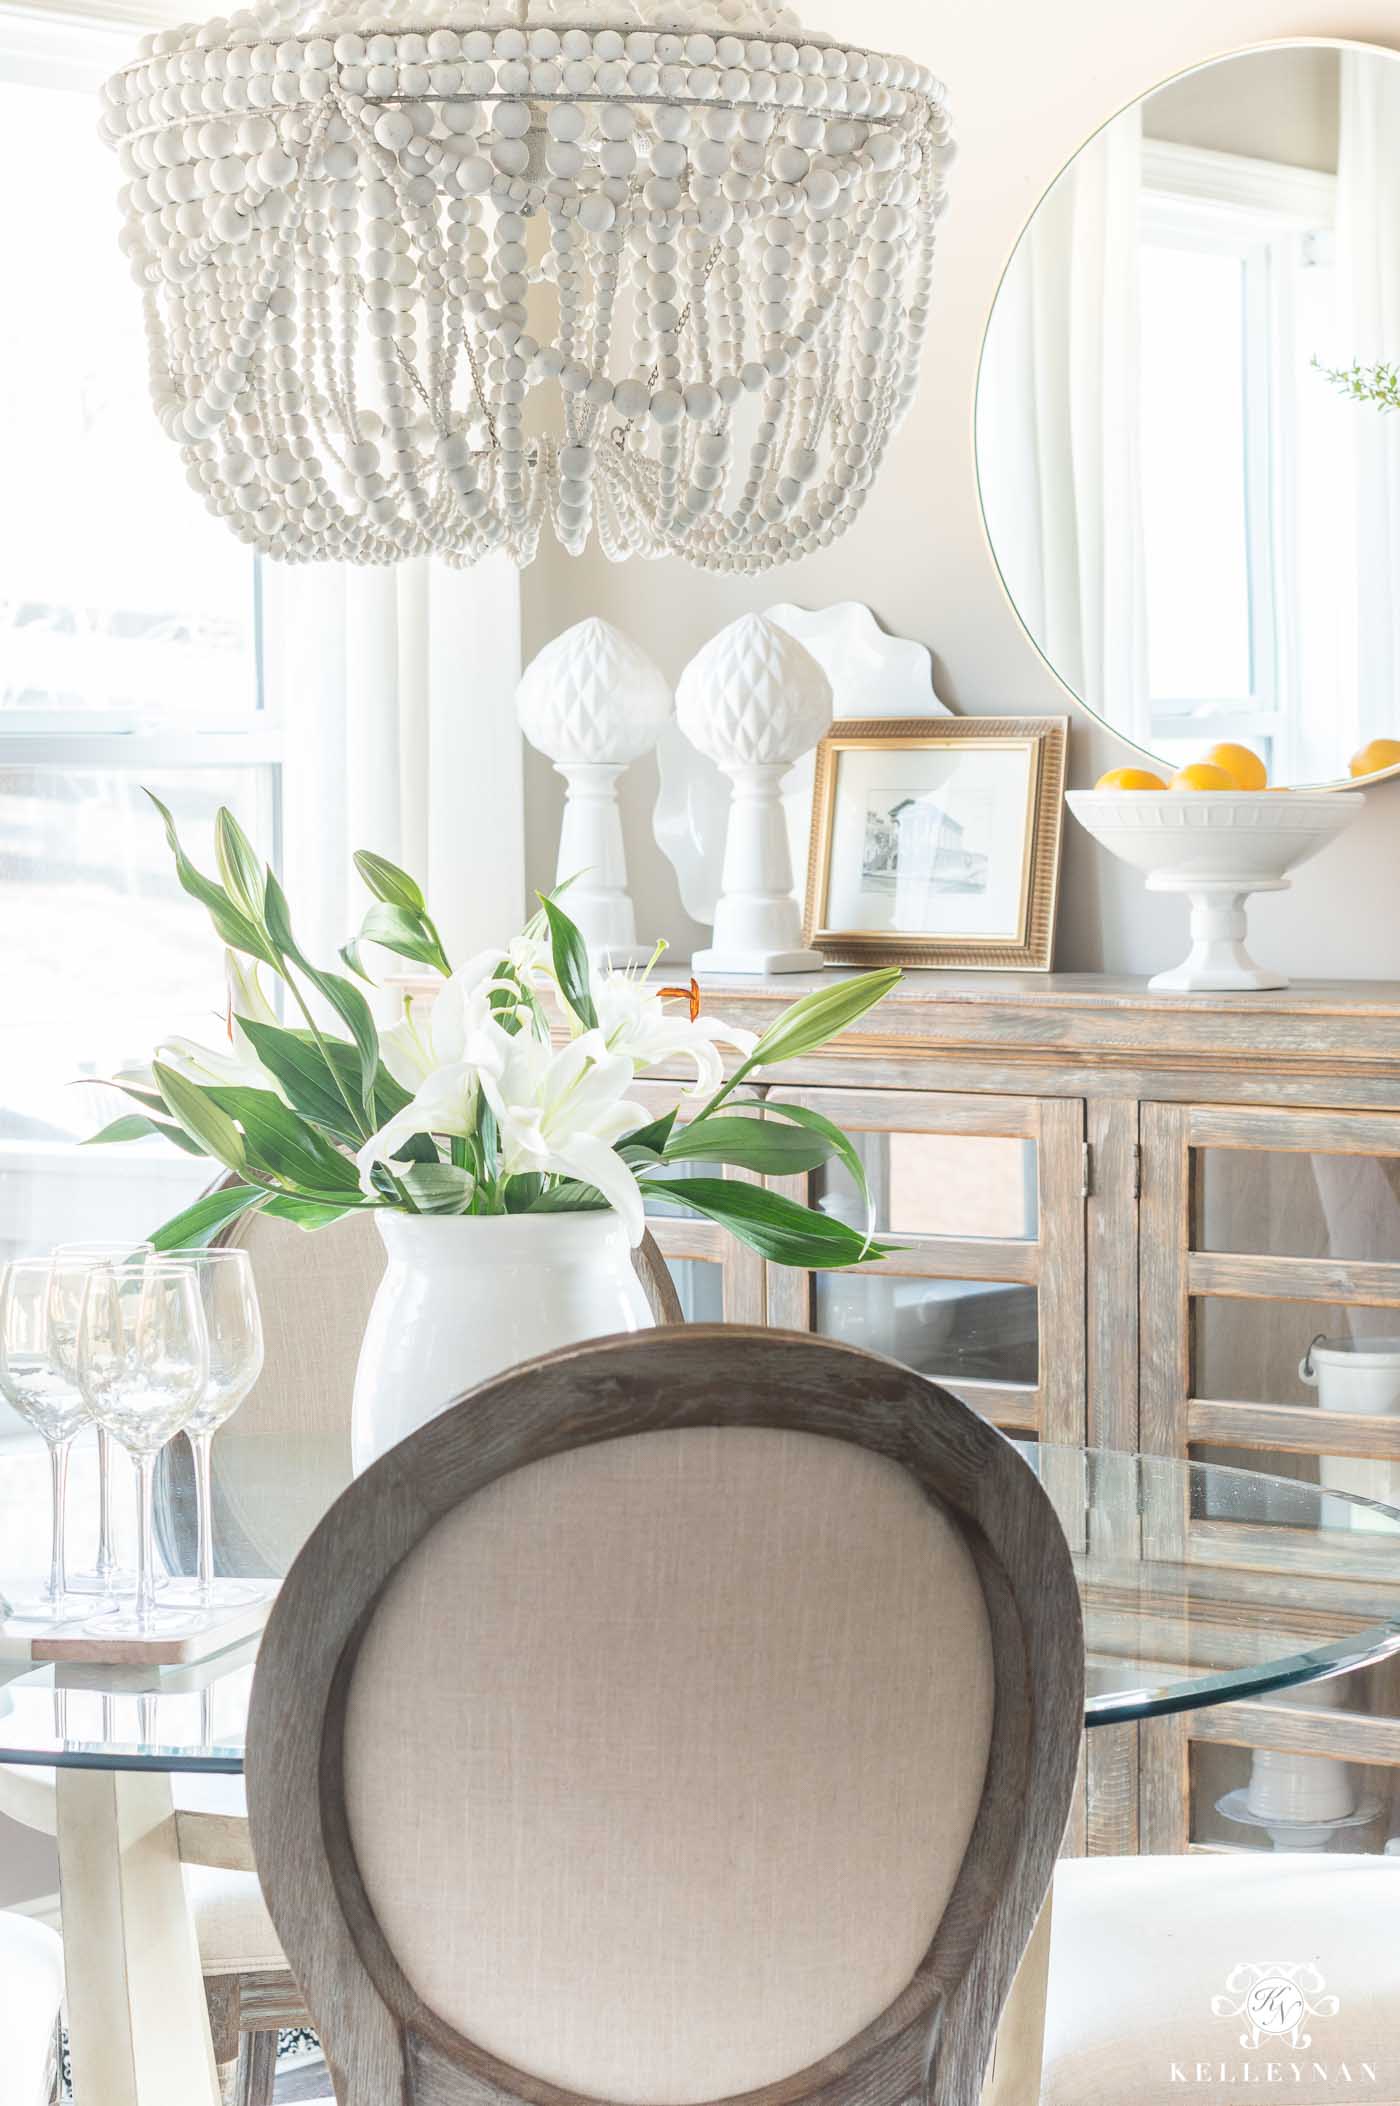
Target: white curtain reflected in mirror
[{"x": 1199, "y": 527}]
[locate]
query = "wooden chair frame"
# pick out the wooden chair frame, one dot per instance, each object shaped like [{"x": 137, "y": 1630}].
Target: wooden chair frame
[{"x": 384, "y": 2047}]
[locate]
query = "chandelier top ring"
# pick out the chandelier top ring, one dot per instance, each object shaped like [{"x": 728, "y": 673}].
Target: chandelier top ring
[{"x": 421, "y": 285}]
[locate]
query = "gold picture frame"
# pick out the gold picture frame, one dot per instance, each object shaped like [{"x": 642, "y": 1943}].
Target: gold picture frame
[{"x": 1016, "y": 907}]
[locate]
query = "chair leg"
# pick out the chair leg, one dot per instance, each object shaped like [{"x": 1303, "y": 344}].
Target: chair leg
[{"x": 257, "y": 2070}]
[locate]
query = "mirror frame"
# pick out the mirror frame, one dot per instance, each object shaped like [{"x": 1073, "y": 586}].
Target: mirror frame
[{"x": 1168, "y": 80}]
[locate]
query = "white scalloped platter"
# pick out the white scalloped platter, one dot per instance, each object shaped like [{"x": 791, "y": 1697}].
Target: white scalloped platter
[{"x": 871, "y": 674}]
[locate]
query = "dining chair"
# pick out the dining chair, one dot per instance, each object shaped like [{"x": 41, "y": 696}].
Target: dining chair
[
  {"x": 1270, "y": 1975},
  {"x": 278, "y": 1464},
  {"x": 677, "y": 1716},
  {"x": 31, "y": 1997}
]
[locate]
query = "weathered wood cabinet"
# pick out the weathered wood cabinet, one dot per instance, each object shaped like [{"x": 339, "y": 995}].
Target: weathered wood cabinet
[{"x": 1123, "y": 1219}]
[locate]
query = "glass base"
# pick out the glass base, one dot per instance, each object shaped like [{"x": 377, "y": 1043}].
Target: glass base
[
  {"x": 219, "y": 1594},
  {"x": 159, "y": 1622},
  {"x": 118, "y": 1583},
  {"x": 39, "y": 1608}
]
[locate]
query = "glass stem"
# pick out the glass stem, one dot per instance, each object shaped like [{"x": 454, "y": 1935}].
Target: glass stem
[
  {"x": 106, "y": 1556},
  {"x": 58, "y": 1563},
  {"x": 200, "y": 1445},
  {"x": 146, "y": 1565}
]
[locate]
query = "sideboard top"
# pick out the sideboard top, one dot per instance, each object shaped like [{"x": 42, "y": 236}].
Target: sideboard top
[
  {"x": 1076, "y": 1032},
  {"x": 1077, "y": 991}
]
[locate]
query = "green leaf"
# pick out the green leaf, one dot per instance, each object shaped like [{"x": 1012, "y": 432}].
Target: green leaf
[
  {"x": 571, "y": 965},
  {"x": 387, "y": 882},
  {"x": 750, "y": 1144},
  {"x": 304, "y": 1073},
  {"x": 199, "y": 1224},
  {"x": 438, "y": 1188},
  {"x": 281, "y": 1142},
  {"x": 400, "y": 930},
  {"x": 816, "y": 1122},
  {"x": 656, "y": 1136},
  {"x": 230, "y": 923},
  {"x": 194, "y": 1109},
  {"x": 522, "y": 1192},
  {"x": 820, "y": 1017},
  {"x": 347, "y": 1001},
  {"x": 136, "y": 1127},
  {"x": 779, "y": 1229},
  {"x": 241, "y": 868},
  {"x": 568, "y": 1196},
  {"x": 307, "y": 1214}
]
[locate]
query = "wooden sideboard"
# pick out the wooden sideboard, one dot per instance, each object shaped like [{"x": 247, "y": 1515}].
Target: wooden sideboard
[{"x": 1123, "y": 1218}]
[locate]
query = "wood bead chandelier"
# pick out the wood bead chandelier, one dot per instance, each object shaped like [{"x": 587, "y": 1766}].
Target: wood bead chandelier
[{"x": 658, "y": 269}]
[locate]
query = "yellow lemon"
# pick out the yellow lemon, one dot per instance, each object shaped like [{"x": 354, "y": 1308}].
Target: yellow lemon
[
  {"x": 1129, "y": 779},
  {"x": 1203, "y": 775},
  {"x": 1381, "y": 753},
  {"x": 1242, "y": 763}
]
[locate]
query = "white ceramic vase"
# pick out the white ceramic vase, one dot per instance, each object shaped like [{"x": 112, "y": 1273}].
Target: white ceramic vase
[{"x": 463, "y": 1299}]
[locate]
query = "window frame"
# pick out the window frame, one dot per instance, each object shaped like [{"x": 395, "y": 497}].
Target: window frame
[{"x": 58, "y": 50}]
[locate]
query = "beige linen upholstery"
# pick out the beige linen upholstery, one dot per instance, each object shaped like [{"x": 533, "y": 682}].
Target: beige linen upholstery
[
  {"x": 1142, "y": 1948},
  {"x": 662, "y": 1756},
  {"x": 31, "y": 1991},
  {"x": 231, "y": 1922}
]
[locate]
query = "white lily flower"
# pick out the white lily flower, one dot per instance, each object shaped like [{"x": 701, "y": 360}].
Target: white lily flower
[
  {"x": 239, "y": 1067},
  {"x": 435, "y": 1034},
  {"x": 447, "y": 1103},
  {"x": 561, "y": 1111},
  {"x": 634, "y": 1021}
]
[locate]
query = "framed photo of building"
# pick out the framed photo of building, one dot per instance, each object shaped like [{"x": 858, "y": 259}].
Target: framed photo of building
[{"x": 937, "y": 842}]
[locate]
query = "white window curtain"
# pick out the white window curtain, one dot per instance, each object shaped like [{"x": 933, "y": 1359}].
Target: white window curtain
[
  {"x": 397, "y": 692},
  {"x": 1059, "y": 430},
  {"x": 1368, "y": 251}
]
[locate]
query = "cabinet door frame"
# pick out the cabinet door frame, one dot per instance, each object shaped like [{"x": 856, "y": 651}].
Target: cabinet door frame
[
  {"x": 1175, "y": 1421},
  {"x": 1053, "y": 1262}
]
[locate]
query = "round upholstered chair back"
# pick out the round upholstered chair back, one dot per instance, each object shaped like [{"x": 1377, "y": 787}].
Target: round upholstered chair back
[{"x": 680, "y": 1717}]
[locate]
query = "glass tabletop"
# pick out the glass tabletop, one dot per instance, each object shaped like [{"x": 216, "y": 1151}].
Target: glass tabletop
[{"x": 1200, "y": 1585}]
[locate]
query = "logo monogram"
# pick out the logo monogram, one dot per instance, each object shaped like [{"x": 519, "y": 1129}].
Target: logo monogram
[{"x": 1277, "y": 2000}]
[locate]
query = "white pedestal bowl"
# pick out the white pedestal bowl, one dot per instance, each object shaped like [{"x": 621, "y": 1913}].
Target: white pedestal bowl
[{"x": 1216, "y": 849}]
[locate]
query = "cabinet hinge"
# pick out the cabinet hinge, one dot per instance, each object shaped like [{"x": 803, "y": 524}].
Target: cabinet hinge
[
  {"x": 1088, "y": 1181},
  {"x": 1137, "y": 1171}
]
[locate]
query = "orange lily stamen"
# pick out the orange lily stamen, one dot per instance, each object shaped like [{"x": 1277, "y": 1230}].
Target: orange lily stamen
[{"x": 689, "y": 994}]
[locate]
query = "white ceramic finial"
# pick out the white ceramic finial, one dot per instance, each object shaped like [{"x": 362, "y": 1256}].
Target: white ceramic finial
[
  {"x": 754, "y": 700},
  {"x": 592, "y": 702}
]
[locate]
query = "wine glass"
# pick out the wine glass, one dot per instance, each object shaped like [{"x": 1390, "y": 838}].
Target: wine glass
[
  {"x": 233, "y": 1320},
  {"x": 52, "y": 1403},
  {"x": 75, "y": 1259},
  {"x": 143, "y": 1363}
]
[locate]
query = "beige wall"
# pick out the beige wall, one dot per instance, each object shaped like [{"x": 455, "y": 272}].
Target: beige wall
[
  {"x": 1279, "y": 106},
  {"x": 1028, "y": 84}
]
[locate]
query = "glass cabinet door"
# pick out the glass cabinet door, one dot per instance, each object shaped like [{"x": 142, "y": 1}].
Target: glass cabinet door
[
  {"x": 984, "y": 1197},
  {"x": 1271, "y": 1292},
  {"x": 1270, "y": 1318}
]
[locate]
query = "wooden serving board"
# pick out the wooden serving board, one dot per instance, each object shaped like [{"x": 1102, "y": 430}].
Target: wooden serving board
[{"x": 82, "y": 1643}]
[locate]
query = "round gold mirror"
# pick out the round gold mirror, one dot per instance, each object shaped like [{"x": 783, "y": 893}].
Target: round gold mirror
[{"x": 1190, "y": 475}]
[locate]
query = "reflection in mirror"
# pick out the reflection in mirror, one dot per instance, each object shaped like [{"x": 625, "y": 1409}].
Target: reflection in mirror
[{"x": 1196, "y": 517}]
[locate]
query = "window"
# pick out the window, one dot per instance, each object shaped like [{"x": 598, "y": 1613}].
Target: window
[
  {"x": 130, "y": 658},
  {"x": 1243, "y": 483}
]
